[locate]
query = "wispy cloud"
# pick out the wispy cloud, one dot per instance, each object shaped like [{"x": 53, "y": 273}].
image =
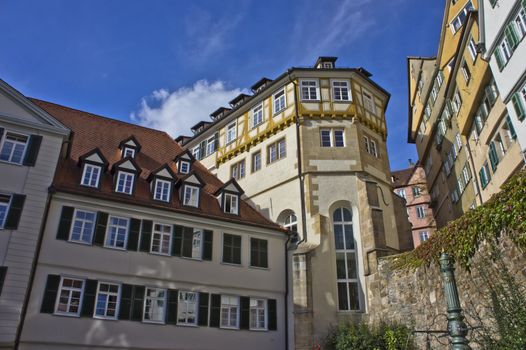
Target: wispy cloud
[
  {"x": 175, "y": 112},
  {"x": 335, "y": 27},
  {"x": 209, "y": 35}
]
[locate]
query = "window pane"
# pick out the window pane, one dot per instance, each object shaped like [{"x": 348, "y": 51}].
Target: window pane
[
  {"x": 340, "y": 266},
  {"x": 338, "y": 236},
  {"x": 351, "y": 266},
  {"x": 353, "y": 295},
  {"x": 349, "y": 238},
  {"x": 347, "y": 216},
  {"x": 342, "y": 296}
]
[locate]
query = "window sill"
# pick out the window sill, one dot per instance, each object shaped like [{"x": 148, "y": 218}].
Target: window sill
[
  {"x": 258, "y": 329},
  {"x": 187, "y": 325},
  {"x": 89, "y": 186},
  {"x": 12, "y": 163},
  {"x": 153, "y": 322},
  {"x": 115, "y": 248},
  {"x": 106, "y": 318},
  {"x": 229, "y": 328},
  {"x": 315, "y": 100},
  {"x": 231, "y": 264},
  {"x": 342, "y": 101},
  {"x": 161, "y": 254},
  {"x": 80, "y": 242},
  {"x": 275, "y": 113},
  {"x": 56, "y": 313},
  {"x": 259, "y": 268}
]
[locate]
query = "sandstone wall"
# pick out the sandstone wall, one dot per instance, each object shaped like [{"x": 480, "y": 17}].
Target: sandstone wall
[{"x": 416, "y": 298}]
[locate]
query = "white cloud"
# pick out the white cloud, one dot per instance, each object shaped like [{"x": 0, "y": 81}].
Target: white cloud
[
  {"x": 175, "y": 112},
  {"x": 339, "y": 27}
]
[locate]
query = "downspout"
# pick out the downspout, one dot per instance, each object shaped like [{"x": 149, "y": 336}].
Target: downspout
[
  {"x": 482, "y": 31},
  {"x": 474, "y": 171},
  {"x": 287, "y": 291},
  {"x": 300, "y": 164}
]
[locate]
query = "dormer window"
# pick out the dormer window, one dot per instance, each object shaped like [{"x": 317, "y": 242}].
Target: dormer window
[
  {"x": 162, "y": 190},
  {"x": 91, "y": 175},
  {"x": 124, "y": 182},
  {"x": 231, "y": 203},
  {"x": 184, "y": 167},
  {"x": 191, "y": 196},
  {"x": 128, "y": 152}
]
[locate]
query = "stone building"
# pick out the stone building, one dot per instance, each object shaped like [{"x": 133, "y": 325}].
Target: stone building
[
  {"x": 464, "y": 137},
  {"x": 30, "y": 143},
  {"x": 143, "y": 248},
  {"x": 309, "y": 149},
  {"x": 411, "y": 185}
]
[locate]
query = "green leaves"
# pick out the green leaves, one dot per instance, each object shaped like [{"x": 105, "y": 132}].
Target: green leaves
[{"x": 504, "y": 213}]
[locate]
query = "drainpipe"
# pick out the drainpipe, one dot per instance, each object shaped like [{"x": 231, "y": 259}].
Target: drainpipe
[
  {"x": 482, "y": 31},
  {"x": 300, "y": 165},
  {"x": 474, "y": 175}
]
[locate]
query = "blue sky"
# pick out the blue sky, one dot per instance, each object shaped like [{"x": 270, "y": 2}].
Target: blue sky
[{"x": 168, "y": 64}]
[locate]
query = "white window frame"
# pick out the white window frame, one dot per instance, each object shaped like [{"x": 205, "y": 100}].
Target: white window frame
[
  {"x": 83, "y": 221},
  {"x": 505, "y": 50},
  {"x": 279, "y": 152},
  {"x": 373, "y": 148},
  {"x": 124, "y": 176},
  {"x": 196, "y": 152},
  {"x": 238, "y": 170},
  {"x": 229, "y": 307},
  {"x": 368, "y": 101},
  {"x": 188, "y": 200},
  {"x": 279, "y": 100},
  {"x": 257, "y": 116},
  {"x": 161, "y": 238},
  {"x": 420, "y": 211},
  {"x": 401, "y": 192},
  {"x": 186, "y": 303},
  {"x": 231, "y": 132},
  {"x": 460, "y": 23},
  {"x": 128, "y": 152},
  {"x": 5, "y": 205},
  {"x": 254, "y": 162},
  {"x": 71, "y": 290},
  {"x": 424, "y": 236},
  {"x": 162, "y": 184},
  {"x": 87, "y": 181},
  {"x": 323, "y": 137},
  {"x": 472, "y": 48},
  {"x": 185, "y": 167},
  {"x": 341, "y": 89},
  {"x": 307, "y": 87},
  {"x": 258, "y": 310},
  {"x": 109, "y": 294},
  {"x": 520, "y": 23},
  {"x": 154, "y": 304},
  {"x": 210, "y": 145},
  {"x": 466, "y": 73},
  {"x": 118, "y": 227},
  {"x": 233, "y": 200},
  {"x": 15, "y": 143}
]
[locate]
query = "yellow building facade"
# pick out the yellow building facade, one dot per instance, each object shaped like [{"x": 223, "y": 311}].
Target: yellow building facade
[
  {"x": 457, "y": 119},
  {"x": 309, "y": 150}
]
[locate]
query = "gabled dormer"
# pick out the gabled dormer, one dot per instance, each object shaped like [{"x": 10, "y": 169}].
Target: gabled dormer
[
  {"x": 238, "y": 100},
  {"x": 220, "y": 113},
  {"x": 161, "y": 183},
  {"x": 229, "y": 197},
  {"x": 260, "y": 85},
  {"x": 325, "y": 62},
  {"x": 125, "y": 173},
  {"x": 129, "y": 147},
  {"x": 200, "y": 127},
  {"x": 184, "y": 162},
  {"x": 93, "y": 164},
  {"x": 190, "y": 188}
]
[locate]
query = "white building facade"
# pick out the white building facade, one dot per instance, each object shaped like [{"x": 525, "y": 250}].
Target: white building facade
[{"x": 502, "y": 40}]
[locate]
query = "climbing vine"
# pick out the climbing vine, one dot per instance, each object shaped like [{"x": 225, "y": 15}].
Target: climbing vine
[{"x": 504, "y": 213}]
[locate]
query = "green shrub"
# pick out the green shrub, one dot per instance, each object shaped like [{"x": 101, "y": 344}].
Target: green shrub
[{"x": 363, "y": 337}]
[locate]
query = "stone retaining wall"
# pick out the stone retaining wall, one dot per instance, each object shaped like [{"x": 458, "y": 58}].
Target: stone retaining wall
[{"x": 416, "y": 298}]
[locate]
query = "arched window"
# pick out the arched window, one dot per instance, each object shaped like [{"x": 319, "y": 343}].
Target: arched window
[
  {"x": 346, "y": 260},
  {"x": 291, "y": 222}
]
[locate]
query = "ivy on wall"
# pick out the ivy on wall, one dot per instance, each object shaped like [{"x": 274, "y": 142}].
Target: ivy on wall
[{"x": 505, "y": 213}]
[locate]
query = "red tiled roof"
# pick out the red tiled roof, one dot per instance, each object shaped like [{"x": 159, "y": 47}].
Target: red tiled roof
[{"x": 90, "y": 131}]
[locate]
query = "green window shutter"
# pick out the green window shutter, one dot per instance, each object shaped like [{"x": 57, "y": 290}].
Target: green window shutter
[
  {"x": 482, "y": 177},
  {"x": 138, "y": 303},
  {"x": 65, "y": 223},
  {"x": 498, "y": 57},
  {"x": 513, "y": 134},
  {"x": 177, "y": 240},
  {"x": 1, "y": 133},
  {"x": 100, "y": 229},
  {"x": 33, "y": 147},
  {"x": 125, "y": 306},
  {"x": 272, "y": 315},
  {"x": 524, "y": 4},
  {"x": 493, "y": 156},
  {"x": 512, "y": 36},
  {"x": 88, "y": 299},
  {"x": 15, "y": 211},
  {"x": 207, "y": 245},
  {"x": 202, "y": 317},
  {"x": 133, "y": 235},
  {"x": 50, "y": 294},
  {"x": 146, "y": 235},
  {"x": 518, "y": 106},
  {"x": 215, "y": 310},
  {"x": 171, "y": 309},
  {"x": 244, "y": 319}
]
